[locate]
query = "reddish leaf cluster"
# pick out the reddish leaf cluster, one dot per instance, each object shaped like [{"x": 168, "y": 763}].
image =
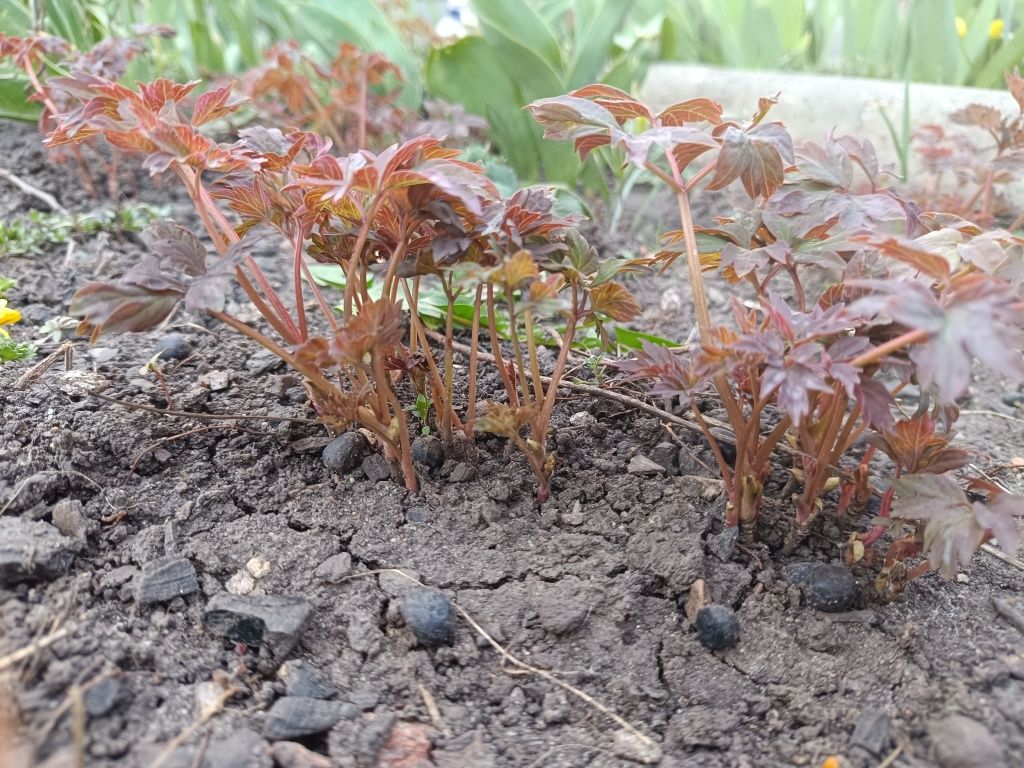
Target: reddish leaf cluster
[
  {"x": 411, "y": 212},
  {"x": 965, "y": 170},
  {"x": 843, "y": 294},
  {"x": 353, "y": 100}
]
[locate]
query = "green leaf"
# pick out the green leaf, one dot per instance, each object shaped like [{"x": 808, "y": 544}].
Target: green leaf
[
  {"x": 629, "y": 339},
  {"x": 14, "y": 103}
]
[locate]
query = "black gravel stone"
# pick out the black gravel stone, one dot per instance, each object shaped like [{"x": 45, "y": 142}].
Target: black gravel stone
[
  {"x": 273, "y": 621},
  {"x": 345, "y": 453},
  {"x": 166, "y": 578},
  {"x": 430, "y": 615},
  {"x": 294, "y": 717},
  {"x": 826, "y": 587},
  {"x": 717, "y": 627},
  {"x": 173, "y": 346},
  {"x": 428, "y": 450},
  {"x": 302, "y": 679}
]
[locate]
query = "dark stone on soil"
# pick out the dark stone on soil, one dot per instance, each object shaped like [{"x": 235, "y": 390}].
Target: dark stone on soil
[
  {"x": 104, "y": 696},
  {"x": 344, "y": 453},
  {"x": 871, "y": 732},
  {"x": 166, "y": 578},
  {"x": 32, "y": 549},
  {"x": 463, "y": 473},
  {"x": 430, "y": 615},
  {"x": 826, "y": 587},
  {"x": 271, "y": 621},
  {"x": 376, "y": 467},
  {"x": 173, "y": 346},
  {"x": 334, "y": 568},
  {"x": 428, "y": 450},
  {"x": 723, "y": 545},
  {"x": 717, "y": 627},
  {"x": 667, "y": 455},
  {"x": 302, "y": 679},
  {"x": 960, "y": 742},
  {"x": 69, "y": 519},
  {"x": 243, "y": 748},
  {"x": 294, "y": 717},
  {"x": 417, "y": 514},
  {"x": 1013, "y": 399},
  {"x": 291, "y": 754}
]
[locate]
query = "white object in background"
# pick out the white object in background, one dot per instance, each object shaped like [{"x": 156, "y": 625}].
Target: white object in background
[{"x": 458, "y": 20}]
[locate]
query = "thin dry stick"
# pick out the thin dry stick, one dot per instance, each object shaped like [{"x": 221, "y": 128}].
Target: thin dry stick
[
  {"x": 37, "y": 193},
  {"x": 214, "y": 709},
  {"x": 522, "y": 665},
  {"x": 78, "y": 724},
  {"x": 995, "y": 414},
  {"x": 891, "y": 758},
  {"x": 1008, "y": 612},
  {"x": 433, "y": 711},
  {"x": 195, "y": 415},
  {"x": 37, "y": 476},
  {"x": 37, "y": 645}
]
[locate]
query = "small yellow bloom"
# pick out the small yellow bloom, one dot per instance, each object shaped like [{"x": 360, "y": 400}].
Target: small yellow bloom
[
  {"x": 7, "y": 316},
  {"x": 961, "y": 27},
  {"x": 995, "y": 29},
  {"x": 831, "y": 762}
]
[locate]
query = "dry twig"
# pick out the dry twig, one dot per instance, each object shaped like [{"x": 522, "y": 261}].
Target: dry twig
[{"x": 522, "y": 666}]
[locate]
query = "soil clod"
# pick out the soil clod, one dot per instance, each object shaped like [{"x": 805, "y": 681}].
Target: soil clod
[
  {"x": 826, "y": 587},
  {"x": 334, "y": 568},
  {"x": 960, "y": 742},
  {"x": 717, "y": 627},
  {"x": 376, "y": 468},
  {"x": 291, "y": 754},
  {"x": 430, "y": 615},
  {"x": 32, "y": 549},
  {"x": 345, "y": 453}
]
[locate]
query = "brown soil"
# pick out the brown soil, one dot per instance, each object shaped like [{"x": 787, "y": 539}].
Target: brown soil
[{"x": 590, "y": 585}]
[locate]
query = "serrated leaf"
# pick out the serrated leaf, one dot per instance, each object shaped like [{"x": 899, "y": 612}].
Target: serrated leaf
[{"x": 615, "y": 301}]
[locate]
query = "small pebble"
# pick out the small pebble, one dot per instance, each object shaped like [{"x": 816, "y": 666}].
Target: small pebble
[
  {"x": 428, "y": 450},
  {"x": 258, "y": 567},
  {"x": 104, "y": 696},
  {"x": 717, "y": 627},
  {"x": 334, "y": 568},
  {"x": 173, "y": 346},
  {"x": 1013, "y": 399},
  {"x": 583, "y": 419},
  {"x": 345, "y": 453},
  {"x": 641, "y": 465},
  {"x": 241, "y": 583},
  {"x": 430, "y": 615}
]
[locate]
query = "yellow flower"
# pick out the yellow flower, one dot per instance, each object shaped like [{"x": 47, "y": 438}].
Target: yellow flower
[
  {"x": 831, "y": 762},
  {"x": 995, "y": 29},
  {"x": 7, "y": 316},
  {"x": 961, "y": 27}
]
